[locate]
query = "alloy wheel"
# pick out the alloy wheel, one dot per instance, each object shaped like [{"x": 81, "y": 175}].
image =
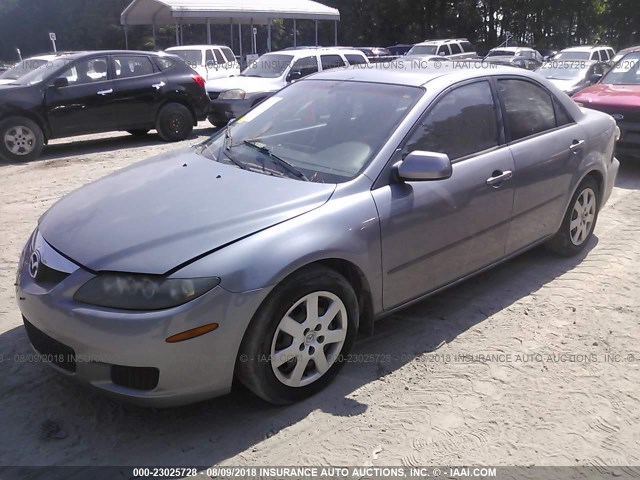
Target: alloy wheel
[
  {"x": 20, "y": 140},
  {"x": 582, "y": 216}
]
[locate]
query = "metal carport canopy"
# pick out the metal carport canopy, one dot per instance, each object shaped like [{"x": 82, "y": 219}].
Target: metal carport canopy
[{"x": 257, "y": 12}]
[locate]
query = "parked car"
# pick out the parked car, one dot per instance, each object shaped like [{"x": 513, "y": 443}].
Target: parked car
[
  {"x": 573, "y": 76},
  {"x": 99, "y": 92},
  {"x": 451, "y": 48},
  {"x": 400, "y": 49},
  {"x": 547, "y": 53},
  {"x": 520, "y": 52},
  {"x": 599, "y": 53},
  {"x": 624, "y": 51},
  {"x": 260, "y": 253},
  {"x": 618, "y": 94},
  {"x": 513, "y": 61},
  {"x": 376, "y": 54},
  {"x": 210, "y": 61},
  {"x": 232, "y": 98},
  {"x": 27, "y": 65}
]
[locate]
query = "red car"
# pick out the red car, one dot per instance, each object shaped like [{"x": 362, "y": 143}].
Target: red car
[{"x": 618, "y": 94}]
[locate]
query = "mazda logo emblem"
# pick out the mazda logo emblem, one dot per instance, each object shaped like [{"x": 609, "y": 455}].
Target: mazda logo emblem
[
  {"x": 34, "y": 264},
  {"x": 618, "y": 116}
]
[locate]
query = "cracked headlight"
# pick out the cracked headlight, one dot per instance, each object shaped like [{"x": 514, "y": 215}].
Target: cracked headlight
[
  {"x": 235, "y": 94},
  {"x": 142, "y": 292}
]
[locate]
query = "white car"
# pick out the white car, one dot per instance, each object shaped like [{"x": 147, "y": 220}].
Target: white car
[
  {"x": 523, "y": 52},
  {"x": 599, "y": 53},
  {"x": 210, "y": 61},
  {"x": 233, "y": 97},
  {"x": 450, "y": 48},
  {"x": 24, "y": 67}
]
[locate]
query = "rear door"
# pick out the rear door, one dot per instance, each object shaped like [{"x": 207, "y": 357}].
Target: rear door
[
  {"x": 138, "y": 89},
  {"x": 329, "y": 61},
  {"x": 87, "y": 104},
  {"x": 436, "y": 232},
  {"x": 547, "y": 147}
]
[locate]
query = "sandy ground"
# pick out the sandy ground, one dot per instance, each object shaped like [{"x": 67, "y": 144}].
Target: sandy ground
[{"x": 561, "y": 387}]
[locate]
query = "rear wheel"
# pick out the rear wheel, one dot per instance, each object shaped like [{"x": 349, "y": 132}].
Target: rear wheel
[
  {"x": 21, "y": 140},
  {"x": 295, "y": 344},
  {"x": 139, "y": 132},
  {"x": 217, "y": 122},
  {"x": 174, "y": 122},
  {"x": 579, "y": 220}
]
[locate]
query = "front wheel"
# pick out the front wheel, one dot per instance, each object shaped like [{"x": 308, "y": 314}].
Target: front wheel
[
  {"x": 295, "y": 344},
  {"x": 217, "y": 122},
  {"x": 21, "y": 140},
  {"x": 174, "y": 122},
  {"x": 579, "y": 220}
]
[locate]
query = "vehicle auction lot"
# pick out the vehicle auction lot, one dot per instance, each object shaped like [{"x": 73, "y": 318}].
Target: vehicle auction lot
[{"x": 535, "y": 362}]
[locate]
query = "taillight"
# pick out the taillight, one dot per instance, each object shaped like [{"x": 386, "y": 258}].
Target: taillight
[{"x": 198, "y": 79}]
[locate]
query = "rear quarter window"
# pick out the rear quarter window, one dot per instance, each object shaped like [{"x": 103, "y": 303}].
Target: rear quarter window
[
  {"x": 455, "y": 48},
  {"x": 165, "y": 63},
  {"x": 354, "y": 59},
  {"x": 331, "y": 61},
  {"x": 228, "y": 54},
  {"x": 467, "y": 47}
]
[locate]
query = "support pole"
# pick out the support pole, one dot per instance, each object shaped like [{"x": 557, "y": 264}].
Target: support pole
[
  {"x": 316, "y": 33},
  {"x": 240, "y": 39},
  {"x": 295, "y": 33},
  {"x": 177, "y": 35},
  {"x": 126, "y": 37},
  {"x": 231, "y": 34},
  {"x": 181, "y": 34},
  {"x": 208, "y": 31},
  {"x": 269, "y": 36},
  {"x": 153, "y": 32},
  {"x": 335, "y": 32},
  {"x": 253, "y": 38}
]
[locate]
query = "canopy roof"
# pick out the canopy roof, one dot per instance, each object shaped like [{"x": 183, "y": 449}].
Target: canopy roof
[{"x": 148, "y": 12}]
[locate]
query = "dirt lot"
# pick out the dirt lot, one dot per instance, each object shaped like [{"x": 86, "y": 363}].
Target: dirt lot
[{"x": 561, "y": 387}]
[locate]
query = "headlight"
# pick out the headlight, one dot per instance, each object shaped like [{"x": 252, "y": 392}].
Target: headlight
[
  {"x": 236, "y": 94},
  {"x": 142, "y": 292}
]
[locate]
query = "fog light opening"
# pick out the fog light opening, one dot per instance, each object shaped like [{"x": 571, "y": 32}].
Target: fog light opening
[{"x": 193, "y": 333}]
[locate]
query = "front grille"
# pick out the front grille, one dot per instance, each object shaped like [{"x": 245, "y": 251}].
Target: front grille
[
  {"x": 53, "y": 351},
  {"x": 138, "y": 378},
  {"x": 214, "y": 95},
  {"x": 628, "y": 115},
  {"x": 47, "y": 276}
]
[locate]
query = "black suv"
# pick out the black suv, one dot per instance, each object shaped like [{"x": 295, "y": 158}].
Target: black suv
[{"x": 95, "y": 92}]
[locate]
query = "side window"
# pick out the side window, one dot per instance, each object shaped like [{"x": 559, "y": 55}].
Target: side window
[
  {"x": 88, "y": 71},
  {"x": 306, "y": 66},
  {"x": 529, "y": 108},
  {"x": 331, "y": 61},
  {"x": 455, "y": 48},
  {"x": 354, "y": 59},
  {"x": 467, "y": 47},
  {"x": 208, "y": 59},
  {"x": 562, "y": 117},
  {"x": 219, "y": 58},
  {"x": 164, "y": 63},
  {"x": 132, "y": 66},
  {"x": 594, "y": 56},
  {"x": 443, "y": 50},
  {"x": 228, "y": 54},
  {"x": 461, "y": 123}
]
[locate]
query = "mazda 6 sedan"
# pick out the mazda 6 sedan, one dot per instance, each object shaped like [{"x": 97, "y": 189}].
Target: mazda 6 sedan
[{"x": 261, "y": 253}]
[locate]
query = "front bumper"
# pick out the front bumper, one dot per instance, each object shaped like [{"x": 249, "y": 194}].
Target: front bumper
[
  {"x": 119, "y": 351},
  {"x": 224, "y": 111},
  {"x": 629, "y": 143}
]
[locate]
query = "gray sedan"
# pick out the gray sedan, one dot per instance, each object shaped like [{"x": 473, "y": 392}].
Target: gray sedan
[{"x": 259, "y": 254}]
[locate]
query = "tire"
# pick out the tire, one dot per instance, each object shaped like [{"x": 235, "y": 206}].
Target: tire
[
  {"x": 21, "y": 140},
  {"x": 217, "y": 122},
  {"x": 174, "y": 123},
  {"x": 261, "y": 365},
  {"x": 139, "y": 132},
  {"x": 579, "y": 220}
]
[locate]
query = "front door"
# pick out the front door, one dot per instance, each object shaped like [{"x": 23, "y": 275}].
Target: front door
[
  {"x": 435, "y": 232},
  {"x": 86, "y": 104}
]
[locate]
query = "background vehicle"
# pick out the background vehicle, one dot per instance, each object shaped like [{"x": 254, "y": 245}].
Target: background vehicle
[
  {"x": 624, "y": 51},
  {"x": 573, "y": 76},
  {"x": 27, "y": 65},
  {"x": 97, "y": 92},
  {"x": 400, "y": 49},
  {"x": 376, "y": 54},
  {"x": 451, "y": 48},
  {"x": 233, "y": 97},
  {"x": 210, "y": 61},
  {"x": 618, "y": 94},
  {"x": 514, "y": 61},
  {"x": 600, "y": 53},
  {"x": 547, "y": 53},
  {"x": 347, "y": 196},
  {"x": 520, "y": 52}
]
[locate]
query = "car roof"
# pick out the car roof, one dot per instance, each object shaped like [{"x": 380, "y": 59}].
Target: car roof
[
  {"x": 192, "y": 47},
  {"x": 634, "y": 48},
  {"x": 585, "y": 48},
  {"x": 441, "y": 41},
  {"x": 513, "y": 49},
  {"x": 300, "y": 52}
]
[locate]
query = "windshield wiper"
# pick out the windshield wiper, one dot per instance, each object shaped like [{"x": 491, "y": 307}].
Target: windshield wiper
[{"x": 283, "y": 163}]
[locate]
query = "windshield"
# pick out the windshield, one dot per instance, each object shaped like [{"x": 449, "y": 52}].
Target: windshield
[
  {"x": 268, "y": 66},
  {"x": 423, "y": 50},
  {"x": 625, "y": 72},
  {"x": 42, "y": 72},
  {"x": 22, "y": 68},
  {"x": 563, "y": 71},
  {"x": 501, "y": 53},
  {"x": 190, "y": 57},
  {"x": 572, "y": 56},
  {"x": 320, "y": 131}
]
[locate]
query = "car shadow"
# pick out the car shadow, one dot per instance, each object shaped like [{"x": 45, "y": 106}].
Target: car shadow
[
  {"x": 629, "y": 174},
  {"x": 207, "y": 433}
]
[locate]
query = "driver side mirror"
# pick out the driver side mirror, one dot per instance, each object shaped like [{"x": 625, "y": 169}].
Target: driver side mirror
[
  {"x": 595, "y": 78},
  {"x": 60, "y": 82},
  {"x": 294, "y": 75},
  {"x": 423, "y": 166}
]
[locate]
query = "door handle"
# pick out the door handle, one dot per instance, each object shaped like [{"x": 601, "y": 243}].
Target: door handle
[
  {"x": 498, "y": 177},
  {"x": 158, "y": 86},
  {"x": 105, "y": 92},
  {"x": 576, "y": 145}
]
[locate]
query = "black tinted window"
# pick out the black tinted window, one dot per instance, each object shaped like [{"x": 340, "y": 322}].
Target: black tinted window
[
  {"x": 529, "y": 108},
  {"x": 331, "y": 61},
  {"x": 208, "y": 58},
  {"x": 88, "y": 71},
  {"x": 228, "y": 54},
  {"x": 443, "y": 50},
  {"x": 455, "y": 48},
  {"x": 132, "y": 66},
  {"x": 461, "y": 123},
  {"x": 164, "y": 63},
  {"x": 467, "y": 47},
  {"x": 354, "y": 59},
  {"x": 306, "y": 66},
  {"x": 219, "y": 57}
]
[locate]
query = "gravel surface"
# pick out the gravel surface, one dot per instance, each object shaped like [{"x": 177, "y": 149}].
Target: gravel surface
[{"x": 535, "y": 362}]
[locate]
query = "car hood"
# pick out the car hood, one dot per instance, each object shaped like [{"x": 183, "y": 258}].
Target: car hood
[
  {"x": 610, "y": 95},
  {"x": 565, "y": 85},
  {"x": 248, "y": 84},
  {"x": 161, "y": 213}
]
